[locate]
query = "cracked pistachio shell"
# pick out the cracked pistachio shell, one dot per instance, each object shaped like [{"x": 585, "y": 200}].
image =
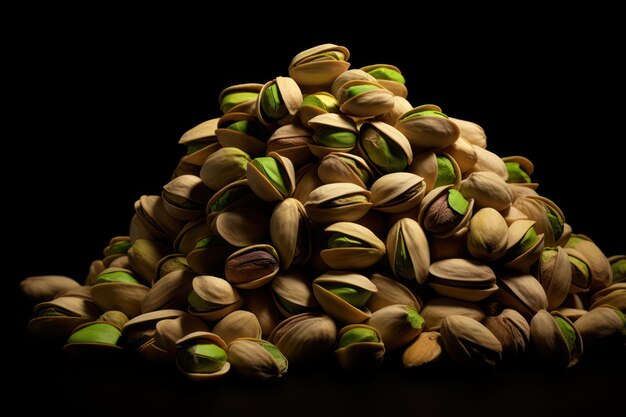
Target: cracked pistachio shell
[
  {"x": 520, "y": 169},
  {"x": 292, "y": 293},
  {"x": 272, "y": 177},
  {"x": 117, "y": 248},
  {"x": 46, "y": 287},
  {"x": 315, "y": 104},
  {"x": 454, "y": 246},
  {"x": 489, "y": 162},
  {"x": 169, "y": 331},
  {"x": 201, "y": 142},
  {"x": 469, "y": 343},
  {"x": 223, "y": 167},
  {"x": 438, "y": 217},
  {"x": 316, "y": 68},
  {"x": 255, "y": 358},
  {"x": 426, "y": 127},
  {"x": 213, "y": 298},
  {"x": 427, "y": 348},
  {"x": 331, "y": 123},
  {"x": 242, "y": 131},
  {"x": 613, "y": 295},
  {"x": 618, "y": 267},
  {"x": 291, "y": 141},
  {"x": 384, "y": 148},
  {"x": 240, "y": 98},
  {"x": 524, "y": 245},
  {"x": 351, "y": 246},
  {"x": 279, "y": 101},
  {"x": 193, "y": 232},
  {"x": 330, "y": 203},
  {"x": 471, "y": 132},
  {"x": 407, "y": 250},
  {"x": 124, "y": 294},
  {"x": 364, "y": 349},
  {"x": 209, "y": 254},
  {"x": 200, "y": 338},
  {"x": 151, "y": 220},
  {"x": 512, "y": 330},
  {"x": 464, "y": 279},
  {"x": 389, "y": 76},
  {"x": 244, "y": 225},
  {"x": 252, "y": 266},
  {"x": 260, "y": 303},
  {"x": 549, "y": 219},
  {"x": 554, "y": 272},
  {"x": 304, "y": 337},
  {"x": 601, "y": 326},
  {"x": 144, "y": 256},
  {"x": 170, "y": 291},
  {"x": 57, "y": 318},
  {"x": 95, "y": 338},
  {"x": 343, "y": 295},
  {"x": 463, "y": 153},
  {"x": 397, "y": 324},
  {"x": 185, "y": 197},
  {"x": 437, "y": 169},
  {"x": 95, "y": 268},
  {"x": 290, "y": 232},
  {"x": 350, "y": 75},
  {"x": 345, "y": 167},
  {"x": 556, "y": 339},
  {"x": 169, "y": 263},
  {"x": 487, "y": 235},
  {"x": 601, "y": 272},
  {"x": 521, "y": 292},
  {"x": 487, "y": 189},
  {"x": 205, "y": 131},
  {"x": 397, "y": 192},
  {"x": 239, "y": 323},
  {"x": 391, "y": 292},
  {"x": 437, "y": 309},
  {"x": 362, "y": 98},
  {"x": 139, "y": 330}
]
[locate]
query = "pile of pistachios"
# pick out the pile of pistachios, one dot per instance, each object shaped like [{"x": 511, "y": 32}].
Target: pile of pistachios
[{"x": 324, "y": 212}]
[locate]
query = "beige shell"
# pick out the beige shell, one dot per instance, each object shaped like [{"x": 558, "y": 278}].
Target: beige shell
[
  {"x": 192, "y": 190},
  {"x": 291, "y": 97},
  {"x": 76, "y": 310},
  {"x": 217, "y": 291},
  {"x": 260, "y": 303},
  {"x": 169, "y": 331},
  {"x": 205, "y": 130},
  {"x": 144, "y": 256},
  {"x": 290, "y": 232},
  {"x": 521, "y": 292},
  {"x": 152, "y": 220},
  {"x": 252, "y": 145},
  {"x": 425, "y": 165},
  {"x": 223, "y": 167},
  {"x": 250, "y": 359},
  {"x": 353, "y": 257},
  {"x": 304, "y": 337},
  {"x": 398, "y": 89},
  {"x": 240, "y": 191},
  {"x": 256, "y": 283},
  {"x": 248, "y": 106},
  {"x": 524, "y": 163},
  {"x": 471, "y": 132},
  {"x": 393, "y": 324},
  {"x": 427, "y": 348},
  {"x": 397, "y": 192},
  {"x": 139, "y": 329},
  {"x": 193, "y": 232},
  {"x": 512, "y": 330},
  {"x": 333, "y": 120},
  {"x": 326, "y": 193},
  {"x": 239, "y": 323},
  {"x": 487, "y": 235},
  {"x": 599, "y": 326},
  {"x": 463, "y": 154},
  {"x": 517, "y": 230},
  {"x": 332, "y": 168},
  {"x": 206, "y": 337},
  {"x": 416, "y": 244},
  {"x": 262, "y": 186},
  {"x": 192, "y": 163},
  {"x": 360, "y": 355},
  {"x": 554, "y": 272},
  {"x": 391, "y": 292},
  {"x": 120, "y": 296},
  {"x": 292, "y": 289},
  {"x": 488, "y": 190},
  {"x": 169, "y": 263},
  {"x": 489, "y": 161},
  {"x": 390, "y": 133},
  {"x": 430, "y": 198},
  {"x": 428, "y": 132},
  {"x": 291, "y": 141},
  {"x": 601, "y": 272},
  {"x": 243, "y": 225},
  {"x": 464, "y": 279},
  {"x": 613, "y": 295},
  {"x": 350, "y": 75},
  {"x": 437, "y": 309},
  {"x": 469, "y": 343},
  {"x": 572, "y": 313},
  {"x": 311, "y": 72},
  {"x": 454, "y": 246},
  {"x": 550, "y": 343},
  {"x": 46, "y": 287},
  {"x": 400, "y": 106},
  {"x": 95, "y": 268},
  {"x": 368, "y": 104},
  {"x": 334, "y": 305},
  {"x": 512, "y": 215},
  {"x": 170, "y": 291},
  {"x": 306, "y": 181}
]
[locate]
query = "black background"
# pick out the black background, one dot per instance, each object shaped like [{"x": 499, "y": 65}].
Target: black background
[{"x": 97, "y": 104}]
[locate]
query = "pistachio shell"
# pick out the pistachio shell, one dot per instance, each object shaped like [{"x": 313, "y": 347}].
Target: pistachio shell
[
  {"x": 291, "y": 141},
  {"x": 384, "y": 147},
  {"x": 169, "y": 331},
  {"x": 223, "y": 167},
  {"x": 361, "y": 355},
  {"x": 69, "y": 312},
  {"x": 454, "y": 246},
  {"x": 140, "y": 329},
  {"x": 429, "y": 131},
  {"x": 292, "y": 293},
  {"x": 152, "y": 220},
  {"x": 437, "y": 309},
  {"x": 601, "y": 326},
  {"x": 193, "y": 232},
  {"x": 144, "y": 256},
  {"x": 397, "y": 324},
  {"x": 463, "y": 153},
  {"x": 618, "y": 267},
  {"x": 46, "y": 287},
  {"x": 367, "y": 104},
  {"x": 334, "y": 305},
  {"x": 489, "y": 162},
  {"x": 551, "y": 343},
  {"x": 185, "y": 197},
  {"x": 170, "y": 291},
  {"x": 264, "y": 187},
  {"x": 613, "y": 295},
  {"x": 536, "y": 208},
  {"x": 487, "y": 235},
  {"x": 521, "y": 292},
  {"x": 353, "y": 257},
  {"x": 243, "y": 225},
  {"x": 242, "y": 131},
  {"x": 332, "y": 121},
  {"x": 407, "y": 250},
  {"x": 245, "y": 105},
  {"x": 209, "y": 255},
  {"x": 391, "y": 292},
  {"x": 427, "y": 348},
  {"x": 257, "y": 359},
  {"x": 260, "y": 303},
  {"x": 554, "y": 272},
  {"x": 206, "y": 338},
  {"x": 517, "y": 231},
  {"x": 242, "y": 271},
  {"x": 350, "y": 75},
  {"x": 396, "y": 87},
  {"x": 464, "y": 279},
  {"x": 400, "y": 106},
  {"x": 290, "y": 96},
  {"x": 289, "y": 230},
  {"x": 306, "y": 181},
  {"x": 601, "y": 271},
  {"x": 126, "y": 298},
  {"x": 220, "y": 297},
  {"x": 512, "y": 330},
  {"x": 446, "y": 219},
  {"x": 304, "y": 337},
  {"x": 205, "y": 130},
  {"x": 397, "y": 192},
  {"x": 93, "y": 339},
  {"x": 469, "y": 343},
  {"x": 487, "y": 189},
  {"x": 239, "y": 323},
  {"x": 330, "y": 203},
  {"x": 345, "y": 167},
  {"x": 426, "y": 165},
  {"x": 314, "y": 69},
  {"x": 315, "y": 104},
  {"x": 471, "y": 132}
]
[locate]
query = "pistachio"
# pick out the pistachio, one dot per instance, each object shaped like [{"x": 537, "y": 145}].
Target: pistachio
[
  {"x": 257, "y": 359},
  {"x": 362, "y": 98},
  {"x": 444, "y": 211},
  {"x": 359, "y": 347},
  {"x": 345, "y": 167},
  {"x": 601, "y": 326},
  {"x": 202, "y": 355},
  {"x": 524, "y": 245},
  {"x": 238, "y": 324},
  {"x": 517, "y": 173},
  {"x": 289, "y": 230},
  {"x": 407, "y": 249},
  {"x": 252, "y": 266},
  {"x": 427, "y": 348},
  {"x": 554, "y": 272},
  {"x": 469, "y": 343},
  {"x": 316, "y": 104},
  {"x": 618, "y": 267},
  {"x": 512, "y": 330},
  {"x": 397, "y": 324},
  {"x": 549, "y": 219},
  {"x": 487, "y": 189},
  {"x": 437, "y": 309},
  {"x": 386, "y": 73},
  {"x": 397, "y": 192},
  {"x": 463, "y": 279},
  {"x": 46, "y": 287},
  {"x": 487, "y": 235},
  {"x": 317, "y": 67},
  {"x": 292, "y": 293},
  {"x": 385, "y": 147},
  {"x": 600, "y": 268},
  {"x": 271, "y": 177},
  {"x": 291, "y": 141},
  {"x": 279, "y": 101},
  {"x": 351, "y": 246},
  {"x": 337, "y": 202},
  {"x": 556, "y": 339},
  {"x": 223, "y": 167},
  {"x": 521, "y": 292},
  {"x": 304, "y": 337},
  {"x": 212, "y": 298},
  {"x": 342, "y": 295},
  {"x": 426, "y": 127}
]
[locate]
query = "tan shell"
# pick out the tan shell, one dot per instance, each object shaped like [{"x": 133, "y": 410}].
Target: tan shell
[
  {"x": 471, "y": 132},
  {"x": 205, "y": 130},
  {"x": 218, "y": 292},
  {"x": 46, "y": 287},
  {"x": 77, "y": 311},
  {"x": 416, "y": 244},
  {"x": 512, "y": 330},
  {"x": 554, "y": 272},
  {"x": 487, "y": 235},
  {"x": 211, "y": 338},
  {"x": 567, "y": 233},
  {"x": 328, "y": 192},
  {"x": 260, "y": 303},
  {"x": 353, "y": 257},
  {"x": 262, "y": 186},
  {"x": 397, "y": 192},
  {"x": 428, "y": 132},
  {"x": 251, "y": 360},
  {"x": 312, "y": 73},
  {"x": 238, "y": 324},
  {"x": 512, "y": 215},
  {"x": 521, "y": 292},
  {"x": 391, "y": 292},
  {"x": 400, "y": 106},
  {"x": 437, "y": 309},
  {"x": 290, "y": 232},
  {"x": 430, "y": 198},
  {"x": 463, "y": 154},
  {"x": 334, "y": 305},
  {"x": 169, "y": 263},
  {"x": 243, "y": 225},
  {"x": 458, "y": 331},
  {"x": 291, "y": 141},
  {"x": 291, "y": 96},
  {"x": 95, "y": 268},
  {"x": 489, "y": 161},
  {"x": 169, "y": 331},
  {"x": 170, "y": 291},
  {"x": 368, "y": 104},
  {"x": 464, "y": 279},
  {"x": 601, "y": 325},
  {"x": 120, "y": 296},
  {"x": 193, "y": 232},
  {"x": 250, "y": 285},
  {"x": 550, "y": 343},
  {"x": 454, "y": 246},
  {"x": 251, "y": 145},
  {"x": 152, "y": 220},
  {"x": 350, "y": 75},
  {"x": 572, "y": 313},
  {"x": 425, "y": 165},
  {"x": 613, "y": 295},
  {"x": 192, "y": 163},
  {"x": 524, "y": 163},
  {"x": 398, "y": 89},
  {"x": 333, "y": 120},
  {"x": 599, "y": 265},
  {"x": 488, "y": 190},
  {"x": 144, "y": 256},
  {"x": 191, "y": 189},
  {"x": 145, "y": 325},
  {"x": 241, "y": 191},
  {"x": 293, "y": 287},
  {"x": 427, "y": 348},
  {"x": 223, "y": 167},
  {"x": 390, "y": 133},
  {"x": 333, "y": 169},
  {"x": 393, "y": 325},
  {"x": 304, "y": 337},
  {"x": 517, "y": 230},
  {"x": 306, "y": 181},
  {"x": 360, "y": 355},
  {"x": 244, "y": 107}
]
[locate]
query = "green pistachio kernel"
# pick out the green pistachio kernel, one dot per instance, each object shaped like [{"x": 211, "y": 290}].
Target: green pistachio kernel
[
  {"x": 358, "y": 335},
  {"x": 457, "y": 202},
  {"x": 414, "y": 319},
  {"x": 383, "y": 152},
  {"x": 404, "y": 264},
  {"x": 273, "y": 171},
  {"x": 516, "y": 174},
  {"x": 619, "y": 270},
  {"x": 203, "y": 358},
  {"x": 231, "y": 100},
  {"x": 355, "y": 296},
  {"x": 335, "y": 138},
  {"x": 360, "y": 89},
  {"x": 328, "y": 56},
  {"x": 340, "y": 240},
  {"x": 620, "y": 315},
  {"x": 196, "y": 145},
  {"x": 580, "y": 272},
  {"x": 116, "y": 276},
  {"x": 568, "y": 333},
  {"x": 272, "y": 103},
  {"x": 209, "y": 241},
  {"x": 199, "y": 303},
  {"x": 102, "y": 333},
  {"x": 527, "y": 241},
  {"x": 120, "y": 248},
  {"x": 278, "y": 356},
  {"x": 249, "y": 127},
  {"x": 445, "y": 171},
  {"x": 573, "y": 241},
  {"x": 556, "y": 222},
  {"x": 292, "y": 308},
  {"x": 426, "y": 113},
  {"x": 321, "y": 101},
  {"x": 383, "y": 73},
  {"x": 363, "y": 175}
]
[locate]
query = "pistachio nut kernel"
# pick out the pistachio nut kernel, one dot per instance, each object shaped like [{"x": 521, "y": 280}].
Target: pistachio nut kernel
[
  {"x": 250, "y": 127},
  {"x": 235, "y": 98},
  {"x": 618, "y": 266},
  {"x": 445, "y": 171},
  {"x": 404, "y": 264},
  {"x": 384, "y": 73},
  {"x": 342, "y": 240},
  {"x": 358, "y": 335},
  {"x": 426, "y": 113},
  {"x": 201, "y": 358},
  {"x": 353, "y": 295},
  {"x": 556, "y": 222},
  {"x": 445, "y": 212},
  {"x": 383, "y": 152},
  {"x": 272, "y": 104},
  {"x": 274, "y": 172},
  {"x": 99, "y": 333},
  {"x": 580, "y": 272},
  {"x": 333, "y": 137},
  {"x": 116, "y": 277},
  {"x": 120, "y": 248},
  {"x": 568, "y": 333},
  {"x": 516, "y": 174},
  {"x": 527, "y": 242},
  {"x": 249, "y": 265},
  {"x": 322, "y": 101}
]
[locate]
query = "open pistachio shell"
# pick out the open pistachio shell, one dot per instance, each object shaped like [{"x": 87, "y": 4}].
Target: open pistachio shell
[
  {"x": 572, "y": 313},
  {"x": 471, "y": 132},
  {"x": 351, "y": 246},
  {"x": 316, "y": 68},
  {"x": 397, "y": 324},
  {"x": 315, "y": 104},
  {"x": 201, "y": 142},
  {"x": 439, "y": 212},
  {"x": 287, "y": 95},
  {"x": 240, "y": 98},
  {"x": 272, "y": 178},
  {"x": 337, "y": 202},
  {"x": 364, "y": 349},
  {"x": 601, "y": 272},
  {"x": 601, "y": 326},
  {"x": 426, "y": 127},
  {"x": 306, "y": 181},
  {"x": 549, "y": 219},
  {"x": 400, "y": 106},
  {"x": 242, "y": 131},
  {"x": 490, "y": 162},
  {"x": 384, "y": 147},
  {"x": 223, "y": 167},
  {"x": 152, "y": 220},
  {"x": 213, "y": 298},
  {"x": 618, "y": 267},
  {"x": 361, "y": 98},
  {"x": 329, "y": 288},
  {"x": 193, "y": 232},
  {"x": 124, "y": 295},
  {"x": 141, "y": 329},
  {"x": 57, "y": 318},
  {"x": 436, "y": 169},
  {"x": 260, "y": 303},
  {"x": 292, "y": 293},
  {"x": 169, "y": 263},
  {"x": 613, "y": 295},
  {"x": 389, "y": 76},
  {"x": 239, "y": 323},
  {"x": 203, "y": 131},
  {"x": 463, "y": 154},
  {"x": 521, "y": 292},
  {"x": 407, "y": 250},
  {"x": 185, "y": 197},
  {"x": 391, "y": 292},
  {"x": 520, "y": 169},
  {"x": 170, "y": 291},
  {"x": 209, "y": 254},
  {"x": 255, "y": 358},
  {"x": 469, "y": 343},
  {"x": 290, "y": 232},
  {"x": 437, "y": 309},
  {"x": 46, "y": 287},
  {"x": 345, "y": 167},
  {"x": 94, "y": 339},
  {"x": 397, "y": 192},
  {"x": 201, "y": 337},
  {"x": 554, "y": 272},
  {"x": 427, "y": 348},
  {"x": 169, "y": 331},
  {"x": 291, "y": 141},
  {"x": 144, "y": 256},
  {"x": 252, "y": 266},
  {"x": 512, "y": 330},
  {"x": 524, "y": 245},
  {"x": 304, "y": 337},
  {"x": 464, "y": 279},
  {"x": 243, "y": 225},
  {"x": 331, "y": 123},
  {"x": 350, "y": 75},
  {"x": 556, "y": 339}
]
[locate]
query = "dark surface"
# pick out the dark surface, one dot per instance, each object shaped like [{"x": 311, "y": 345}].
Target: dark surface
[{"x": 99, "y": 108}]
